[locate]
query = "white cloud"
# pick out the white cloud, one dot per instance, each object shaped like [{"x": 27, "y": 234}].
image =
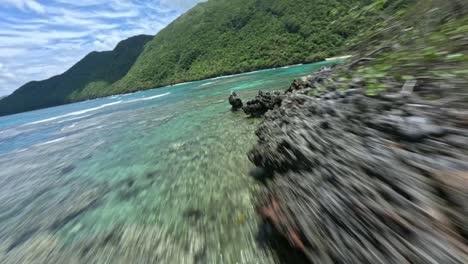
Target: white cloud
[
  {"x": 26, "y": 4},
  {"x": 5, "y": 73},
  {"x": 41, "y": 38},
  {"x": 11, "y": 52}
]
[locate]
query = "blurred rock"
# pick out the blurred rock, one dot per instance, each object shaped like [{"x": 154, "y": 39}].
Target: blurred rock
[{"x": 359, "y": 180}]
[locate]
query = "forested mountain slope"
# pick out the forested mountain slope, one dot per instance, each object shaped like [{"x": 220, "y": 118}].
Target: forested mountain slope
[
  {"x": 94, "y": 72},
  {"x": 214, "y": 38},
  {"x": 230, "y": 36}
]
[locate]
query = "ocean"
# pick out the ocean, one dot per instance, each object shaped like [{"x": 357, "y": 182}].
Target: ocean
[{"x": 159, "y": 176}]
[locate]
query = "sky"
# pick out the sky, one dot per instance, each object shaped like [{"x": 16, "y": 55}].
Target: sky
[{"x": 43, "y": 38}]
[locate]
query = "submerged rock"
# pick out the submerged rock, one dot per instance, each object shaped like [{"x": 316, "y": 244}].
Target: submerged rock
[
  {"x": 235, "y": 101},
  {"x": 22, "y": 238},
  {"x": 193, "y": 214},
  {"x": 67, "y": 169},
  {"x": 132, "y": 187},
  {"x": 262, "y": 103},
  {"x": 355, "y": 180}
]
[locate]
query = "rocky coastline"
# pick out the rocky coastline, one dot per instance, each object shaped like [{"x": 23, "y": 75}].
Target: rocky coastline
[{"x": 352, "y": 178}]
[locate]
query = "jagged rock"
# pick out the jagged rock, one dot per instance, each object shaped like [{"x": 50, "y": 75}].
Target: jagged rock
[
  {"x": 235, "y": 101},
  {"x": 311, "y": 81},
  {"x": 301, "y": 83},
  {"x": 262, "y": 103},
  {"x": 364, "y": 181}
]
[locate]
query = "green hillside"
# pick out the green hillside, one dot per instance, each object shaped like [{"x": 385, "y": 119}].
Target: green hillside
[
  {"x": 214, "y": 38},
  {"x": 230, "y": 36},
  {"x": 88, "y": 77}
]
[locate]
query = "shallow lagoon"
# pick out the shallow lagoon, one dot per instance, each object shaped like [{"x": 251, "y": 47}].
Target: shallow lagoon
[{"x": 158, "y": 176}]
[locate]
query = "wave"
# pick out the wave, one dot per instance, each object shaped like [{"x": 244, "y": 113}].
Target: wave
[
  {"x": 179, "y": 84},
  {"x": 206, "y": 84},
  {"x": 224, "y": 76},
  {"x": 92, "y": 109},
  {"x": 68, "y": 127},
  {"x": 74, "y": 118},
  {"x": 20, "y": 150},
  {"x": 74, "y": 113},
  {"x": 203, "y": 85},
  {"x": 147, "y": 98},
  {"x": 51, "y": 141}
]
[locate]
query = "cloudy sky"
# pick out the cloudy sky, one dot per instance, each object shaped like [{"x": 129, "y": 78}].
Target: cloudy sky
[{"x": 42, "y": 38}]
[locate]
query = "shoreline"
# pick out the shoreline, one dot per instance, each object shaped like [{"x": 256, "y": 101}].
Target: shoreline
[
  {"x": 252, "y": 72},
  {"x": 167, "y": 86}
]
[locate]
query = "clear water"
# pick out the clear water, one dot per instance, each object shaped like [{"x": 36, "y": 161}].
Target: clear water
[{"x": 152, "y": 177}]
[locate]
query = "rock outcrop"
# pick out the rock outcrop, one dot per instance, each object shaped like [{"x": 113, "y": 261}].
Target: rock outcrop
[
  {"x": 235, "y": 101},
  {"x": 311, "y": 82},
  {"x": 356, "y": 179},
  {"x": 263, "y": 102}
]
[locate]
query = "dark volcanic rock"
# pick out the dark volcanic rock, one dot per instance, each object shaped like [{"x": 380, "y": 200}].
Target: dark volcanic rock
[
  {"x": 308, "y": 83},
  {"x": 262, "y": 103},
  {"x": 356, "y": 180},
  {"x": 235, "y": 101}
]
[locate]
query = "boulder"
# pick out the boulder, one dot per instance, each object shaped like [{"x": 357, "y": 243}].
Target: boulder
[
  {"x": 235, "y": 101},
  {"x": 262, "y": 103}
]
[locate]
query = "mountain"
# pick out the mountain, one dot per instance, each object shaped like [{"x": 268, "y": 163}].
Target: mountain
[
  {"x": 221, "y": 37},
  {"x": 214, "y": 38},
  {"x": 84, "y": 80}
]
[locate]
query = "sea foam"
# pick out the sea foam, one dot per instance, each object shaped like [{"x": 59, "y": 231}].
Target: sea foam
[
  {"x": 77, "y": 113},
  {"x": 74, "y": 113},
  {"x": 147, "y": 98}
]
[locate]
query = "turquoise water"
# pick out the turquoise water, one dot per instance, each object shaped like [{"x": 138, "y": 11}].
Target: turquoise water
[{"x": 152, "y": 177}]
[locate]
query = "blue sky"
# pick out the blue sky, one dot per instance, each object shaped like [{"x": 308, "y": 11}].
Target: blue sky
[{"x": 42, "y": 38}]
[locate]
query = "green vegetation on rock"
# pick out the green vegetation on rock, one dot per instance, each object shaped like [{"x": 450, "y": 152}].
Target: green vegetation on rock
[
  {"x": 426, "y": 44},
  {"x": 422, "y": 47}
]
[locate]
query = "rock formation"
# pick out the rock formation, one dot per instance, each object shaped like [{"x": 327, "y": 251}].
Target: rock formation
[
  {"x": 235, "y": 101},
  {"x": 308, "y": 83},
  {"x": 262, "y": 103},
  {"x": 358, "y": 179}
]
